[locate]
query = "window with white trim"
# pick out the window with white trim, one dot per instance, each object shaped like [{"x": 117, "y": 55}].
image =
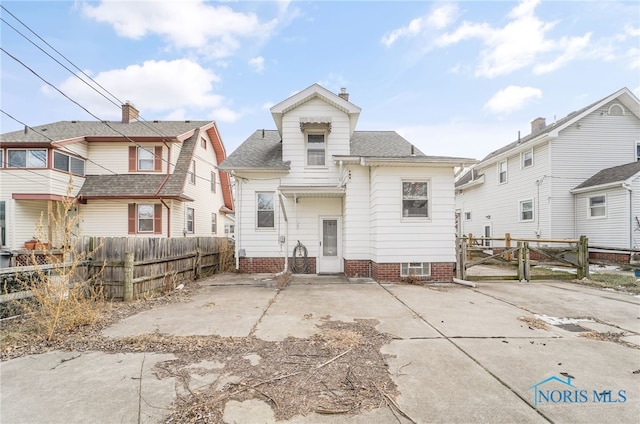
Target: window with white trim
[
  {"x": 190, "y": 219},
  {"x": 145, "y": 218},
  {"x": 527, "y": 158},
  {"x": 27, "y": 158},
  {"x": 415, "y": 199},
  {"x": 316, "y": 149},
  {"x": 637, "y": 151},
  {"x": 417, "y": 269},
  {"x": 598, "y": 206},
  {"x": 214, "y": 223},
  {"x": 203, "y": 143},
  {"x": 502, "y": 172},
  {"x": 265, "y": 211},
  {"x": 213, "y": 181},
  {"x": 526, "y": 210},
  {"x": 146, "y": 158},
  {"x": 192, "y": 172},
  {"x": 67, "y": 163},
  {"x": 1, "y": 158}
]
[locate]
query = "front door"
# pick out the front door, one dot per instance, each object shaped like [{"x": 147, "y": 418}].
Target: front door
[{"x": 329, "y": 258}]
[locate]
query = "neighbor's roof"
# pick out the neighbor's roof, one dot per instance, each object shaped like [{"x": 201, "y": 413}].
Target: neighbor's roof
[
  {"x": 624, "y": 95},
  {"x": 616, "y": 174},
  {"x": 263, "y": 150},
  {"x": 66, "y": 130}
]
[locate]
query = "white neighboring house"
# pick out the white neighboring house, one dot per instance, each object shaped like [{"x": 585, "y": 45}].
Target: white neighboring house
[
  {"x": 130, "y": 178},
  {"x": 362, "y": 203},
  {"x": 575, "y": 177}
]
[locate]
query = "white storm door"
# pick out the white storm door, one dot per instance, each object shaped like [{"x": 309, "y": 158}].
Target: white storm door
[{"x": 329, "y": 258}]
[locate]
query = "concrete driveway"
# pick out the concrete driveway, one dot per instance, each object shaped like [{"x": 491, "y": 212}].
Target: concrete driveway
[{"x": 460, "y": 355}]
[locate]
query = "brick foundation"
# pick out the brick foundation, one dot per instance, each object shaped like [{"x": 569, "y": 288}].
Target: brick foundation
[
  {"x": 617, "y": 257},
  {"x": 357, "y": 268},
  {"x": 270, "y": 265},
  {"x": 440, "y": 271}
]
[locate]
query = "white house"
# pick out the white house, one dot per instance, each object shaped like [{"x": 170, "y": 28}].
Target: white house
[
  {"x": 317, "y": 196},
  {"x": 574, "y": 177},
  {"x": 131, "y": 178}
]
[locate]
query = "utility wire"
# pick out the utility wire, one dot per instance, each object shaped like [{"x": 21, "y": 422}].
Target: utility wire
[{"x": 89, "y": 112}]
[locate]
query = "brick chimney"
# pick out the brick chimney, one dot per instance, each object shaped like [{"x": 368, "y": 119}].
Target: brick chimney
[
  {"x": 129, "y": 113},
  {"x": 343, "y": 94},
  {"x": 538, "y": 125}
]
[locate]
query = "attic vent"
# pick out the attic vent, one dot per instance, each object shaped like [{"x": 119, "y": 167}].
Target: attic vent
[
  {"x": 74, "y": 122},
  {"x": 156, "y": 121},
  {"x": 616, "y": 110}
]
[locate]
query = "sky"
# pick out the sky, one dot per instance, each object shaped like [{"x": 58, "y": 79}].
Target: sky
[{"x": 455, "y": 78}]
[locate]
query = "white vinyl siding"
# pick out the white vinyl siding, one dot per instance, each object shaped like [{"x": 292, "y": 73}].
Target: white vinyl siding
[
  {"x": 356, "y": 214},
  {"x": 617, "y": 227}
]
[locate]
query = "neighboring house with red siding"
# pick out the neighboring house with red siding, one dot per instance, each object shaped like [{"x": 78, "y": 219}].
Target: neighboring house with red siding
[{"x": 129, "y": 178}]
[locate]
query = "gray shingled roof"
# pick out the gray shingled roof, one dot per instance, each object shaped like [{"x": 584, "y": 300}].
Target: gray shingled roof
[
  {"x": 263, "y": 149},
  {"x": 616, "y": 174},
  {"x": 120, "y": 185},
  {"x": 64, "y": 130}
]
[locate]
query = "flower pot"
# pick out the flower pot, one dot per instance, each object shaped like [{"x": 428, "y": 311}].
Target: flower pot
[{"x": 30, "y": 245}]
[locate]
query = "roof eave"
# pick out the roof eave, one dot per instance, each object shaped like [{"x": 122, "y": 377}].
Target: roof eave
[{"x": 599, "y": 187}]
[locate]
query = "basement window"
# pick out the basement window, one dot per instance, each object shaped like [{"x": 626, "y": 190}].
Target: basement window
[{"x": 417, "y": 269}]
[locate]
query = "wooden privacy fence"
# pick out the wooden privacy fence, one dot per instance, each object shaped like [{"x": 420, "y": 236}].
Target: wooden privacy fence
[
  {"x": 520, "y": 255},
  {"x": 130, "y": 267}
]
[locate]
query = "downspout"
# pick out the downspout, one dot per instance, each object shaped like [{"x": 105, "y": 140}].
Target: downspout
[
  {"x": 238, "y": 224},
  {"x": 168, "y": 217},
  {"x": 630, "y": 191},
  {"x": 286, "y": 237}
]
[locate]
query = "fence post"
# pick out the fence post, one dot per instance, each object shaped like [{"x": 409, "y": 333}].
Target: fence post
[
  {"x": 527, "y": 261},
  {"x": 507, "y": 245},
  {"x": 461, "y": 271},
  {"x": 469, "y": 243},
  {"x": 583, "y": 258},
  {"x": 520, "y": 262},
  {"x": 127, "y": 292}
]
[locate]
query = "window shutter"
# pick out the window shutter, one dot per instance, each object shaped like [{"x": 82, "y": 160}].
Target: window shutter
[
  {"x": 132, "y": 159},
  {"x": 158, "y": 159},
  {"x": 132, "y": 218},
  {"x": 157, "y": 219}
]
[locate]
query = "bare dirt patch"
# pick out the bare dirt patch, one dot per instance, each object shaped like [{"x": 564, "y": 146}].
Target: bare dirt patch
[{"x": 340, "y": 370}]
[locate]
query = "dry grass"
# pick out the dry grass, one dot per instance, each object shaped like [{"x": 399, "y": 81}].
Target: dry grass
[
  {"x": 534, "y": 322},
  {"x": 610, "y": 280}
]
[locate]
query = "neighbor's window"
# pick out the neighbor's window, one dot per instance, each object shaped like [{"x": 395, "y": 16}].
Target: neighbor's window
[
  {"x": 1, "y": 158},
  {"x": 146, "y": 159},
  {"x": 213, "y": 181},
  {"x": 597, "y": 206},
  {"x": 637, "y": 152},
  {"x": 419, "y": 269},
  {"x": 203, "y": 143},
  {"x": 66, "y": 163},
  {"x": 27, "y": 158},
  {"x": 214, "y": 223},
  {"x": 3, "y": 223},
  {"x": 527, "y": 159},
  {"x": 192, "y": 172},
  {"x": 190, "y": 217},
  {"x": 266, "y": 215},
  {"x": 415, "y": 199},
  {"x": 315, "y": 150},
  {"x": 467, "y": 216},
  {"x": 502, "y": 172},
  {"x": 526, "y": 210},
  {"x": 145, "y": 218}
]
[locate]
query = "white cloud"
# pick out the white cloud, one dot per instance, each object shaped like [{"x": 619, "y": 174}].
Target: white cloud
[
  {"x": 511, "y": 99},
  {"x": 257, "y": 63},
  {"x": 520, "y": 43},
  {"x": 634, "y": 56},
  {"x": 439, "y": 18},
  {"x": 194, "y": 24},
  {"x": 175, "y": 89}
]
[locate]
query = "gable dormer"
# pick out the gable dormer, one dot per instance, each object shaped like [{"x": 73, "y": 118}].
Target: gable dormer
[{"x": 315, "y": 91}]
